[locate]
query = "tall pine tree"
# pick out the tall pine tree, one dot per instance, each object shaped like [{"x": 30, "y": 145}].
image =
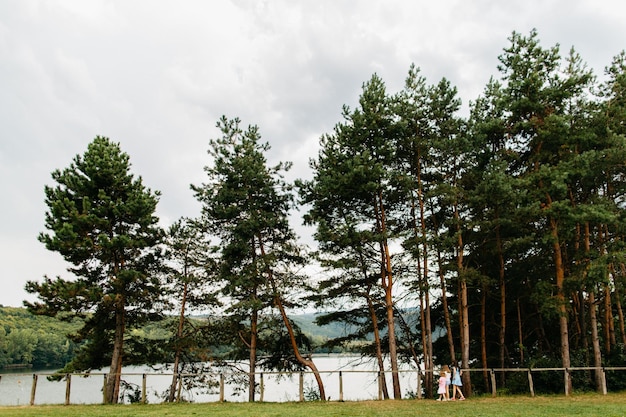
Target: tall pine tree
[{"x": 101, "y": 220}]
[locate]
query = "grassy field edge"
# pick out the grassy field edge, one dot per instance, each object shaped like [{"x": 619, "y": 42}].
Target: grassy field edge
[{"x": 545, "y": 406}]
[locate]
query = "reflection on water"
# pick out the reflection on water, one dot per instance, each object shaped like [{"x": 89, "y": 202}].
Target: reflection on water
[{"x": 359, "y": 383}]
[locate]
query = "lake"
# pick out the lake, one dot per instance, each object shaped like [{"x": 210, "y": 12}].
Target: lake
[{"x": 359, "y": 381}]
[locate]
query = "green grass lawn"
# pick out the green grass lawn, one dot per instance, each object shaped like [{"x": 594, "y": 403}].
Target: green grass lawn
[{"x": 583, "y": 405}]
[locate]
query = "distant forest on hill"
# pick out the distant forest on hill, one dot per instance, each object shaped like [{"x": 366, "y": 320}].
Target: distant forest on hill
[{"x": 32, "y": 341}]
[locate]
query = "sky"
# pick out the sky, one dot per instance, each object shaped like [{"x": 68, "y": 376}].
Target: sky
[{"x": 156, "y": 75}]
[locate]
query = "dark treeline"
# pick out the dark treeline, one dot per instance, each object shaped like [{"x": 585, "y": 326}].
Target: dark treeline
[{"x": 495, "y": 240}]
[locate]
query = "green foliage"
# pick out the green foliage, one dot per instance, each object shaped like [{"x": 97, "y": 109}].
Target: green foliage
[{"x": 37, "y": 341}]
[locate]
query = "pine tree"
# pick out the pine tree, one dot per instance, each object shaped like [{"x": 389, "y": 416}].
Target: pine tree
[
  {"x": 101, "y": 220},
  {"x": 355, "y": 193},
  {"x": 191, "y": 272},
  {"x": 246, "y": 204}
]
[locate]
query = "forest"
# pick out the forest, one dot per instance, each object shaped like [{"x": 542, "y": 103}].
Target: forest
[
  {"x": 29, "y": 341},
  {"x": 494, "y": 240},
  {"x": 33, "y": 341}
]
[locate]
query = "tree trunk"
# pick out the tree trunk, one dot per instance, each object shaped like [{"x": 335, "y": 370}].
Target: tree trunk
[
  {"x": 620, "y": 316},
  {"x": 446, "y": 309},
  {"x": 465, "y": 338},
  {"x": 254, "y": 323},
  {"x": 428, "y": 336},
  {"x": 375, "y": 326},
  {"x": 393, "y": 355},
  {"x": 608, "y": 301},
  {"x": 423, "y": 268},
  {"x": 618, "y": 304},
  {"x": 179, "y": 334},
  {"x": 254, "y": 333},
  {"x": 378, "y": 344},
  {"x": 560, "y": 297},
  {"x": 292, "y": 337},
  {"x": 115, "y": 371},
  {"x": 387, "y": 281},
  {"x": 502, "y": 283},
  {"x": 483, "y": 336},
  {"x": 425, "y": 316},
  {"x": 595, "y": 338},
  {"x": 294, "y": 344},
  {"x": 610, "y": 320},
  {"x": 426, "y": 348},
  {"x": 463, "y": 306}
]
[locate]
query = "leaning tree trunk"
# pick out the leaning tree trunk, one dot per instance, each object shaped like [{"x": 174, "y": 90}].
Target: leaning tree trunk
[
  {"x": 294, "y": 344},
  {"x": 292, "y": 336}
]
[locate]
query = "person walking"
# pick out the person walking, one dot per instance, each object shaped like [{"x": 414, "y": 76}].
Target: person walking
[
  {"x": 456, "y": 381},
  {"x": 441, "y": 387},
  {"x": 448, "y": 374}
]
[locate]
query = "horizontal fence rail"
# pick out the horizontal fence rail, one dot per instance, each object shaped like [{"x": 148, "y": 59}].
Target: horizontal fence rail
[{"x": 218, "y": 380}]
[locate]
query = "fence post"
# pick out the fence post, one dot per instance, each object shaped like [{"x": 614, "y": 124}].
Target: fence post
[
  {"x": 221, "y": 388},
  {"x": 493, "y": 383},
  {"x": 340, "y": 386},
  {"x": 530, "y": 383},
  {"x": 566, "y": 380},
  {"x": 381, "y": 376},
  {"x": 262, "y": 387},
  {"x": 143, "y": 388},
  {"x": 301, "y": 383},
  {"x": 604, "y": 388},
  {"x": 33, "y": 389},
  {"x": 68, "y": 388}
]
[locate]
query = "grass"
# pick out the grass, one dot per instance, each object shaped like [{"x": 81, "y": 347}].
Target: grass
[{"x": 583, "y": 405}]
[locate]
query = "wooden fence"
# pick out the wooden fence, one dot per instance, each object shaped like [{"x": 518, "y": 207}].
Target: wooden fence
[{"x": 380, "y": 377}]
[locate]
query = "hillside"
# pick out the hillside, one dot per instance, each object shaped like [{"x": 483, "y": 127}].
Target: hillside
[
  {"x": 308, "y": 326},
  {"x": 39, "y": 341},
  {"x": 29, "y": 340}
]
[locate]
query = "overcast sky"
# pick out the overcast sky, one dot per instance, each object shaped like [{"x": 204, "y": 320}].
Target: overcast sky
[{"x": 155, "y": 76}]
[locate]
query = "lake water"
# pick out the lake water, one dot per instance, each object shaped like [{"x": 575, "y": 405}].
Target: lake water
[{"x": 359, "y": 381}]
